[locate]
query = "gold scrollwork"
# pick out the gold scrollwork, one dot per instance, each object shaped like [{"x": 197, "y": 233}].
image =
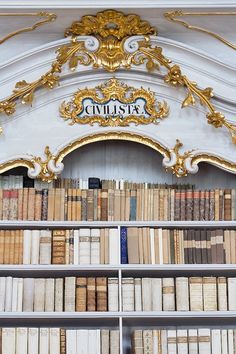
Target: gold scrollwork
[
  {"x": 111, "y": 55},
  {"x": 113, "y": 89},
  {"x": 45, "y": 18},
  {"x": 173, "y": 17},
  {"x": 179, "y": 166}
]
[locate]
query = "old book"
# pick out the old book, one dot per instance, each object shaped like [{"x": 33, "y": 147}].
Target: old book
[
  {"x": 45, "y": 247},
  {"x": 114, "y": 246},
  {"x": 123, "y": 245},
  {"x": 13, "y": 205},
  {"x": 207, "y": 205},
  {"x": 233, "y": 246},
  {"x": 20, "y": 295},
  {"x": 8, "y": 341},
  {"x": 140, "y": 245},
  {"x": 84, "y": 246},
  {"x": 196, "y": 294},
  {"x": 147, "y": 294},
  {"x": 224, "y": 341},
  {"x": 49, "y": 294},
  {"x": 222, "y": 293},
  {"x": 204, "y": 340},
  {"x": 83, "y": 340},
  {"x": 76, "y": 247},
  {"x": 2, "y": 293},
  {"x": 227, "y": 205},
  {"x": 62, "y": 341},
  {"x": 44, "y": 210},
  {"x": 35, "y": 239},
  {"x": 104, "y": 205},
  {"x": 71, "y": 341},
  {"x": 137, "y": 342},
  {"x": 113, "y": 294},
  {"x": 2, "y": 238},
  {"x": 91, "y": 294},
  {"x": 39, "y": 294},
  {"x": 105, "y": 341},
  {"x": 8, "y": 294},
  {"x": 51, "y": 204},
  {"x": 19, "y": 204},
  {"x": 182, "y": 294},
  {"x": 198, "y": 247},
  {"x": 58, "y": 246},
  {"x": 11, "y": 247},
  {"x": 67, "y": 246},
  {"x": 230, "y": 341},
  {"x": 209, "y": 294},
  {"x": 146, "y": 246},
  {"x": 14, "y": 294},
  {"x": 43, "y": 340},
  {"x": 116, "y": 204},
  {"x": 203, "y": 235},
  {"x": 31, "y": 203},
  {"x": 138, "y": 294},
  {"x": 95, "y": 246},
  {"x": 213, "y": 247},
  {"x": 172, "y": 341},
  {"x": 27, "y": 247},
  {"x": 156, "y": 294},
  {"x": 5, "y": 204},
  {"x": 133, "y": 245},
  {"x": 227, "y": 246},
  {"x": 128, "y": 294},
  {"x": 54, "y": 340},
  {"x": 114, "y": 341},
  {"x": 182, "y": 341},
  {"x": 216, "y": 341},
  {"x": 101, "y": 292},
  {"x": 33, "y": 340},
  {"x": 38, "y": 205},
  {"x": 81, "y": 294},
  {"x": 193, "y": 341},
  {"x": 70, "y": 294},
  {"x": 59, "y": 294},
  {"x": 90, "y": 205},
  {"x": 92, "y": 344},
  {"x": 106, "y": 246},
  {"x": 231, "y": 294},
  {"x": 28, "y": 294},
  {"x": 189, "y": 204},
  {"x": 102, "y": 246},
  {"x": 21, "y": 340},
  {"x": 168, "y": 292},
  {"x": 196, "y": 205}
]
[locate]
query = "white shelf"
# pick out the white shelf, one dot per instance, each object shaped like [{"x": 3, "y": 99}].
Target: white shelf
[{"x": 96, "y": 224}]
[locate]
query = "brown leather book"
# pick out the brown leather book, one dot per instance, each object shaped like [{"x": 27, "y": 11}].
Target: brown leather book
[
  {"x": 62, "y": 341},
  {"x": 207, "y": 205},
  {"x": 31, "y": 204},
  {"x": 196, "y": 205},
  {"x": 69, "y": 204},
  {"x": 189, "y": 204},
  {"x": 81, "y": 294},
  {"x": 38, "y": 205},
  {"x": 84, "y": 205},
  {"x": 204, "y": 246},
  {"x": 182, "y": 204},
  {"x": 213, "y": 247},
  {"x": 7, "y": 241},
  {"x": 78, "y": 204},
  {"x": 202, "y": 201},
  {"x": 90, "y": 205},
  {"x": 104, "y": 205},
  {"x": 13, "y": 205},
  {"x": 91, "y": 294},
  {"x": 25, "y": 204},
  {"x": 73, "y": 204},
  {"x": 220, "y": 253},
  {"x": 12, "y": 247},
  {"x": 110, "y": 206},
  {"x": 227, "y": 205},
  {"x": 58, "y": 246},
  {"x": 177, "y": 204},
  {"x": 16, "y": 246},
  {"x": 21, "y": 236},
  {"x": 101, "y": 292},
  {"x": 2, "y": 238},
  {"x": 193, "y": 246},
  {"x": 99, "y": 205},
  {"x": 211, "y": 205},
  {"x": 198, "y": 246},
  {"x": 186, "y": 247},
  {"x": 57, "y": 204},
  {"x": 122, "y": 204},
  {"x": 44, "y": 204},
  {"x": 209, "y": 251},
  {"x": 217, "y": 205},
  {"x": 221, "y": 202},
  {"x": 20, "y": 204}
]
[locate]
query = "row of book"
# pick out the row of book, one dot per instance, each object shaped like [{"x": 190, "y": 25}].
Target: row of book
[
  {"x": 117, "y": 204},
  {"x": 162, "y": 246},
  {"x": 184, "y": 341},
  {"x": 67, "y": 294},
  {"x": 82, "y": 246},
  {"x": 23, "y": 340},
  {"x": 179, "y": 294}
]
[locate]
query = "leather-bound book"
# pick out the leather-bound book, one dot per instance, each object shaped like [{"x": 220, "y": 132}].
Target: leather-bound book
[
  {"x": 233, "y": 246},
  {"x": 198, "y": 246},
  {"x": 110, "y": 206},
  {"x": 211, "y": 205},
  {"x": 91, "y": 294},
  {"x": 207, "y": 205},
  {"x": 227, "y": 246},
  {"x": 69, "y": 204},
  {"x": 123, "y": 245},
  {"x": 57, "y": 204},
  {"x": 177, "y": 204},
  {"x": 95, "y": 204},
  {"x": 196, "y": 205},
  {"x": 217, "y": 205},
  {"x": 81, "y": 294},
  {"x": 221, "y": 204},
  {"x": 62, "y": 341},
  {"x": 2, "y": 239},
  {"x": 73, "y": 205},
  {"x": 133, "y": 245},
  {"x": 7, "y": 246},
  {"x": 202, "y": 200},
  {"x": 90, "y": 205},
  {"x": 189, "y": 204},
  {"x": 122, "y": 204},
  {"x": 19, "y": 207},
  {"x": 209, "y": 252},
  {"x": 99, "y": 207},
  {"x": 117, "y": 204},
  {"x": 25, "y": 204},
  {"x": 133, "y": 205},
  {"x": 137, "y": 341},
  {"x": 44, "y": 204},
  {"x": 13, "y": 205},
  {"x": 186, "y": 247},
  {"x": 5, "y": 204},
  {"x": 58, "y": 246},
  {"x": 51, "y": 204},
  {"x": 213, "y": 247},
  {"x": 78, "y": 204},
  {"x": 101, "y": 292},
  {"x": 70, "y": 294},
  {"x": 220, "y": 253},
  {"x": 203, "y": 234},
  {"x": 84, "y": 205},
  {"x": 182, "y": 204},
  {"x": 12, "y": 249},
  {"x": 38, "y": 205},
  {"x": 104, "y": 205},
  {"x": 227, "y": 205}
]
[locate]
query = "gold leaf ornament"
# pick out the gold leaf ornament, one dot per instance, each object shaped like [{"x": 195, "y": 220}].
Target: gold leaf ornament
[{"x": 189, "y": 101}]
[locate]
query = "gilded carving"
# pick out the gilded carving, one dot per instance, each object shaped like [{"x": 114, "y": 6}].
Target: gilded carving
[
  {"x": 110, "y": 91},
  {"x": 45, "y": 173},
  {"x": 110, "y": 49}
]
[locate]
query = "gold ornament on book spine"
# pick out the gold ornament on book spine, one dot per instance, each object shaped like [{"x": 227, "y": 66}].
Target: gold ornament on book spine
[
  {"x": 112, "y": 29},
  {"x": 173, "y": 17},
  {"x": 114, "y": 90},
  {"x": 46, "y": 18}
]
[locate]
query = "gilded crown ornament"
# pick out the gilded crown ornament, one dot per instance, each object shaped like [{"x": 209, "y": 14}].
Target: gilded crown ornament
[{"x": 116, "y": 41}]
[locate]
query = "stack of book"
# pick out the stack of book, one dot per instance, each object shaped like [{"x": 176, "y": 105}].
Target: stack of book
[
  {"x": 163, "y": 246},
  {"x": 117, "y": 204},
  {"x": 82, "y": 246},
  {"x": 179, "y": 294},
  {"x": 184, "y": 341},
  {"x": 58, "y": 341},
  {"x": 67, "y": 294}
]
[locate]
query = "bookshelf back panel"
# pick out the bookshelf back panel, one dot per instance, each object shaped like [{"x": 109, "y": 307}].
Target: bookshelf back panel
[{"x": 137, "y": 163}]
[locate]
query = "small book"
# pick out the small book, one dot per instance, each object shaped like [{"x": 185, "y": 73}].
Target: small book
[
  {"x": 70, "y": 294},
  {"x": 49, "y": 294},
  {"x": 21, "y": 340},
  {"x": 209, "y": 294},
  {"x": 101, "y": 292},
  {"x": 91, "y": 294},
  {"x": 128, "y": 294},
  {"x": 59, "y": 294},
  {"x": 81, "y": 294},
  {"x": 84, "y": 246},
  {"x": 196, "y": 294},
  {"x": 182, "y": 294},
  {"x": 147, "y": 294},
  {"x": 28, "y": 294},
  {"x": 95, "y": 246},
  {"x": 39, "y": 294},
  {"x": 113, "y": 294},
  {"x": 168, "y": 291}
]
